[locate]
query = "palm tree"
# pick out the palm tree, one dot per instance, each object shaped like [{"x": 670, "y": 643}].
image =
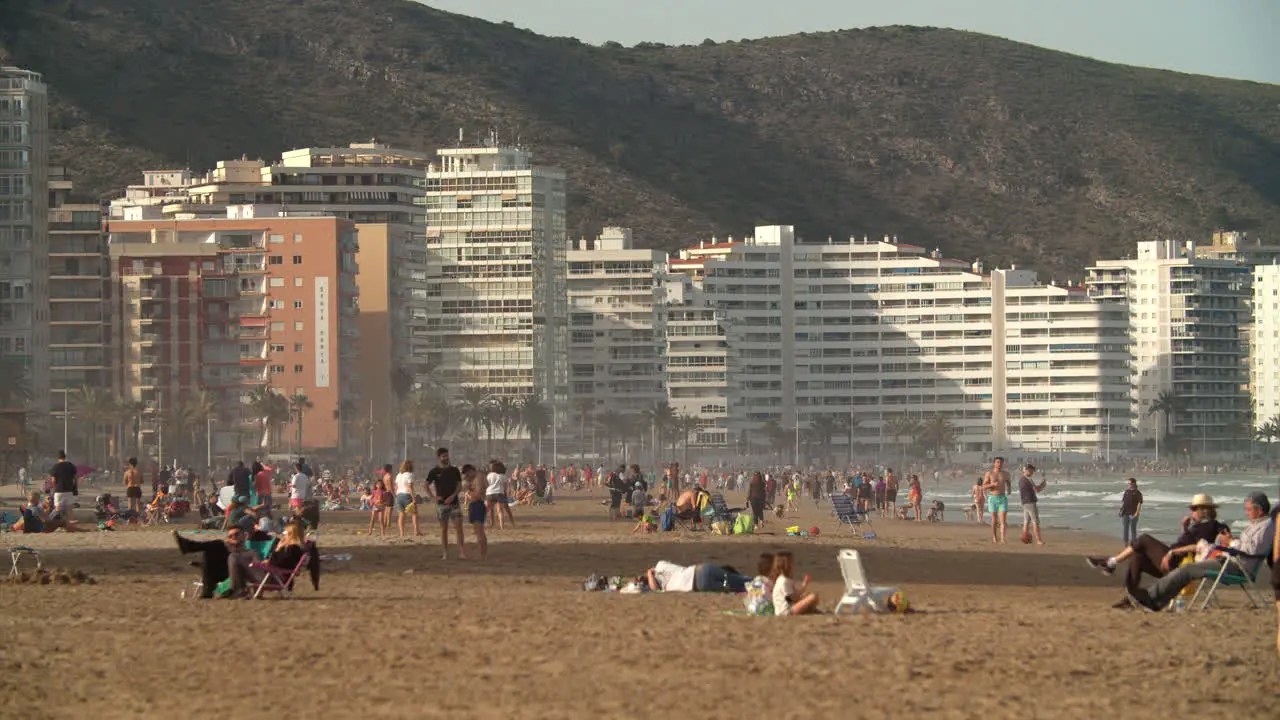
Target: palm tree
[
  {"x": 660, "y": 418},
  {"x": 365, "y": 425},
  {"x": 202, "y": 409},
  {"x": 778, "y": 438},
  {"x": 685, "y": 426},
  {"x": 847, "y": 425},
  {"x": 95, "y": 406},
  {"x": 822, "y": 429},
  {"x": 1269, "y": 432},
  {"x": 128, "y": 413},
  {"x": 614, "y": 427},
  {"x": 15, "y": 391},
  {"x": 584, "y": 408},
  {"x": 901, "y": 428},
  {"x": 473, "y": 407},
  {"x": 506, "y": 415},
  {"x": 272, "y": 410},
  {"x": 938, "y": 435},
  {"x": 536, "y": 417},
  {"x": 299, "y": 404},
  {"x": 1167, "y": 404}
]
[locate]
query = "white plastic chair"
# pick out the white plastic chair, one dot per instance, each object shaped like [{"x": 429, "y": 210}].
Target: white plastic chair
[{"x": 858, "y": 592}]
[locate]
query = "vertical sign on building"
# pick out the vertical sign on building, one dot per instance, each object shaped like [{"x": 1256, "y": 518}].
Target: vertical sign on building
[{"x": 322, "y": 332}]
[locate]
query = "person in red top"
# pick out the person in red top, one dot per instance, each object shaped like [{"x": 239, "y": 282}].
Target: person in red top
[{"x": 262, "y": 487}]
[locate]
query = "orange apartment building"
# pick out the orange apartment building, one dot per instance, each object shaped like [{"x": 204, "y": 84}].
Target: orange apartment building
[{"x": 231, "y": 304}]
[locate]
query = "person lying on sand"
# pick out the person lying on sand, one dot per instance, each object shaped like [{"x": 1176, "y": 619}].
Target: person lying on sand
[
  {"x": 703, "y": 577},
  {"x": 39, "y": 517},
  {"x": 1149, "y": 556}
]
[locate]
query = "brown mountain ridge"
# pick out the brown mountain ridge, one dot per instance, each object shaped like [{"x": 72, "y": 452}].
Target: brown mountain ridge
[{"x": 974, "y": 144}]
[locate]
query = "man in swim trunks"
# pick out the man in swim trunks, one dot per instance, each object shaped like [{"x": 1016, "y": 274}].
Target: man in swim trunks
[
  {"x": 133, "y": 487},
  {"x": 996, "y": 483}
]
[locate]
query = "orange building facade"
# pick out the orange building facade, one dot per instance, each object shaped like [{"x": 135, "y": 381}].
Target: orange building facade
[{"x": 230, "y": 305}]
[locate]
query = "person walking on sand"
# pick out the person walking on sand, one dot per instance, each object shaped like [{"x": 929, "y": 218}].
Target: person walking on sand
[
  {"x": 1028, "y": 494},
  {"x": 406, "y": 502},
  {"x": 996, "y": 483},
  {"x": 979, "y": 500},
  {"x": 446, "y": 483},
  {"x": 495, "y": 495},
  {"x": 891, "y": 491},
  {"x": 476, "y": 501},
  {"x": 1130, "y": 509}
]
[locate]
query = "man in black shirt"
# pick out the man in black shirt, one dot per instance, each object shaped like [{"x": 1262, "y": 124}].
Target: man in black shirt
[
  {"x": 65, "y": 487},
  {"x": 240, "y": 479},
  {"x": 1130, "y": 508},
  {"x": 446, "y": 482},
  {"x": 1152, "y": 557}
]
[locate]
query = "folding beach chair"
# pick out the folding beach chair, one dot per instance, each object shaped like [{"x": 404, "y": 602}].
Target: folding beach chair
[
  {"x": 720, "y": 509},
  {"x": 858, "y": 592},
  {"x": 15, "y": 559},
  {"x": 846, "y": 514},
  {"x": 276, "y": 579},
  {"x": 1235, "y": 572}
]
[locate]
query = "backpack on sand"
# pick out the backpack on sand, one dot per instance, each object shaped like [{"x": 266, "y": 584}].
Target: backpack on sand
[{"x": 667, "y": 522}]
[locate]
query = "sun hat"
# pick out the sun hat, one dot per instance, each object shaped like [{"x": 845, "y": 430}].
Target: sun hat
[{"x": 1202, "y": 500}]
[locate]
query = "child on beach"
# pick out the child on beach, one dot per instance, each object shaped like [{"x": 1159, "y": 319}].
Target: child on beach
[
  {"x": 787, "y": 598},
  {"x": 759, "y": 600}
]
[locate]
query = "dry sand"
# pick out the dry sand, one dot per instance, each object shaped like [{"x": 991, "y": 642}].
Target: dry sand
[{"x": 1016, "y": 631}]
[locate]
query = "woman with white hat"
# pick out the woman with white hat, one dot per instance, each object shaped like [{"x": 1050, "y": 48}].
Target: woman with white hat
[{"x": 1152, "y": 557}]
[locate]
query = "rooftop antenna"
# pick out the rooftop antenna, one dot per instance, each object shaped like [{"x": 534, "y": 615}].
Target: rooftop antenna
[{"x": 461, "y": 138}]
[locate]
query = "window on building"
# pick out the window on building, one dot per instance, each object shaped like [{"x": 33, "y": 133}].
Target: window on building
[
  {"x": 297, "y": 238},
  {"x": 275, "y": 260},
  {"x": 276, "y": 239},
  {"x": 297, "y": 282},
  {"x": 277, "y": 304},
  {"x": 277, "y": 369},
  {"x": 277, "y": 282},
  {"x": 297, "y": 347},
  {"x": 277, "y": 327},
  {"x": 297, "y": 304},
  {"x": 299, "y": 326},
  {"x": 277, "y": 348},
  {"x": 297, "y": 368},
  {"x": 297, "y": 259}
]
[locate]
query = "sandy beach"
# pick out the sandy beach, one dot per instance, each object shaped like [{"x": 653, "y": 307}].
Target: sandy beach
[{"x": 1017, "y": 630}]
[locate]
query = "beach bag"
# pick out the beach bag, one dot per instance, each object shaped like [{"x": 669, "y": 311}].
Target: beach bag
[
  {"x": 759, "y": 597},
  {"x": 721, "y": 527},
  {"x": 744, "y": 524},
  {"x": 668, "y": 520}
]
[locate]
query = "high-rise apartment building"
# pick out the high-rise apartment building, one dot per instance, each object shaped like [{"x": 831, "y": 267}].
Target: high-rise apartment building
[
  {"x": 371, "y": 184},
  {"x": 24, "y": 259},
  {"x": 495, "y": 234},
  {"x": 1185, "y": 319},
  {"x": 872, "y": 331},
  {"x": 226, "y": 305},
  {"x": 617, "y": 324},
  {"x": 79, "y": 302},
  {"x": 1264, "y": 361}
]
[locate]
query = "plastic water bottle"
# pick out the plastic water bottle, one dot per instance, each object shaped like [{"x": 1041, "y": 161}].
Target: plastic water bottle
[{"x": 1179, "y": 604}]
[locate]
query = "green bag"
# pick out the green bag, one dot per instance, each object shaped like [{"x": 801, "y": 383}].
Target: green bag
[{"x": 744, "y": 524}]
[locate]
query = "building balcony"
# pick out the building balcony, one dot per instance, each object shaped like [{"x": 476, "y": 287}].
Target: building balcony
[{"x": 252, "y": 360}]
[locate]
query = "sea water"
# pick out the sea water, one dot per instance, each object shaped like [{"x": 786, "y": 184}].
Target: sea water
[{"x": 1090, "y": 501}]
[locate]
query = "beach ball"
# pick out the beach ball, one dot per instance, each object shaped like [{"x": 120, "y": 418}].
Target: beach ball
[
  {"x": 813, "y": 531},
  {"x": 1026, "y": 536},
  {"x": 897, "y": 602}
]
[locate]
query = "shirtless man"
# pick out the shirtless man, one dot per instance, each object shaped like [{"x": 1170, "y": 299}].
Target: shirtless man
[
  {"x": 996, "y": 483},
  {"x": 133, "y": 487}
]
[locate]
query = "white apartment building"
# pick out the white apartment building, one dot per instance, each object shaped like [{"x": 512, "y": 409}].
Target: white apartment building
[
  {"x": 1185, "y": 317},
  {"x": 1061, "y": 380},
  {"x": 617, "y": 323},
  {"x": 495, "y": 235},
  {"x": 696, "y": 382},
  {"x": 1265, "y": 343},
  {"x": 878, "y": 330},
  {"x": 24, "y": 242}
]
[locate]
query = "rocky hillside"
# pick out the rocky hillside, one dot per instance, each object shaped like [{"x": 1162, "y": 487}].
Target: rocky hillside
[{"x": 978, "y": 145}]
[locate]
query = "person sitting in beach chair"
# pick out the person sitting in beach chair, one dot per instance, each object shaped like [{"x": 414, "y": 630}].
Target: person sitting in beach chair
[
  {"x": 690, "y": 506},
  {"x": 1148, "y": 556},
  {"x": 38, "y": 517},
  {"x": 1245, "y": 554}
]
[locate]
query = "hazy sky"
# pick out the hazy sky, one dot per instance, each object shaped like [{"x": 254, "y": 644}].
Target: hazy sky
[{"x": 1228, "y": 38}]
